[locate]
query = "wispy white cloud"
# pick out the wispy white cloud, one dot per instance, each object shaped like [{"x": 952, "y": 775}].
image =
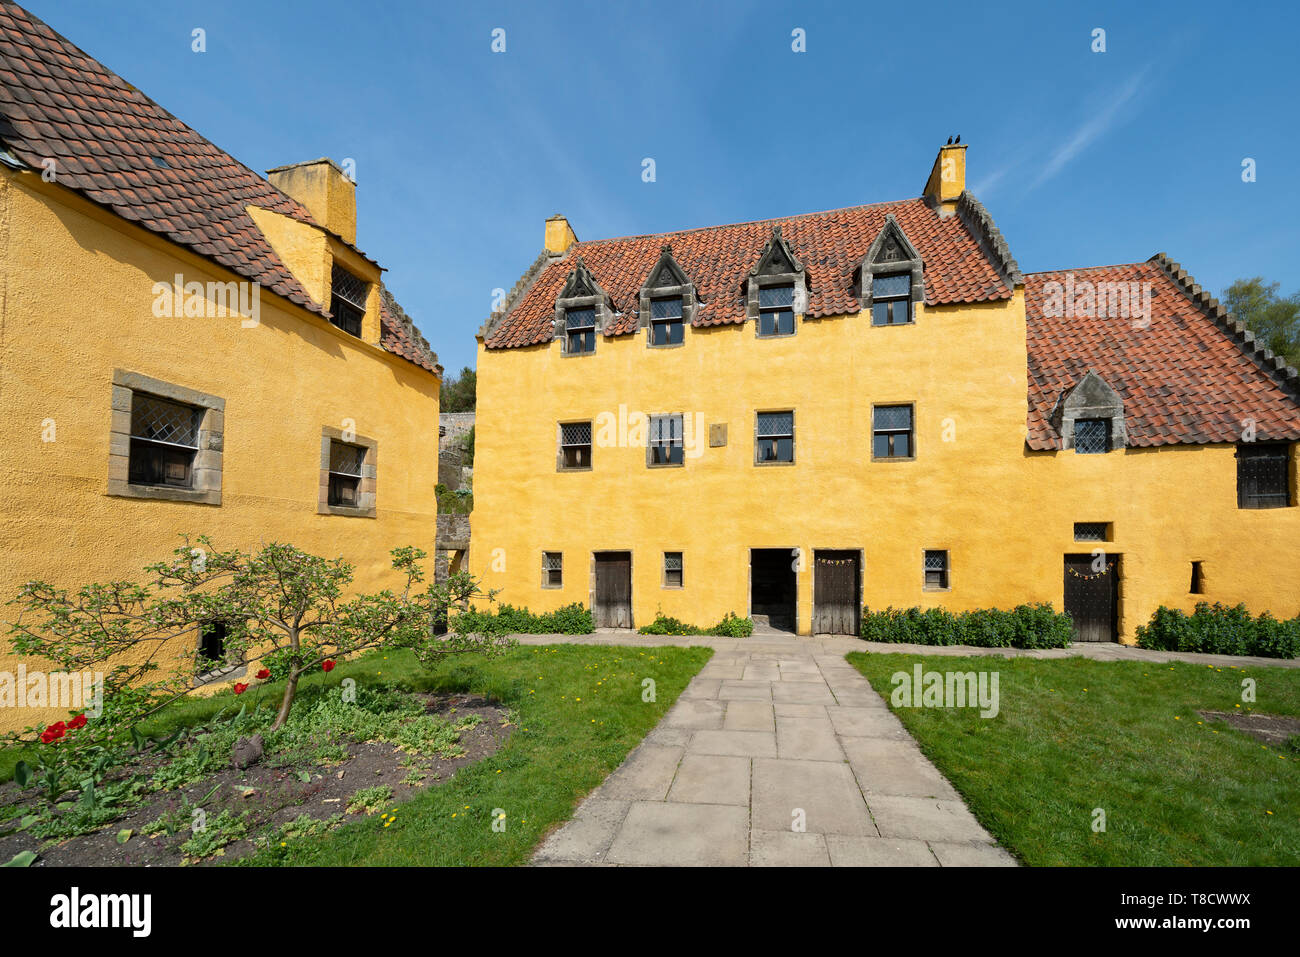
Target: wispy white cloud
[{"x": 1095, "y": 127}]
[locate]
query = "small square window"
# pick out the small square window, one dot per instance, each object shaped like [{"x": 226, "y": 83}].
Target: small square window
[
  {"x": 1262, "y": 479},
  {"x": 579, "y": 331},
  {"x": 891, "y": 299},
  {"x": 776, "y": 310},
  {"x": 345, "y": 474},
  {"x": 164, "y": 441},
  {"x": 347, "y": 300},
  {"x": 1092, "y": 436},
  {"x": 575, "y": 445},
  {"x": 673, "y": 570},
  {"x": 892, "y": 432},
  {"x": 774, "y": 440},
  {"x": 936, "y": 569},
  {"x": 552, "y": 569},
  {"x": 665, "y": 442},
  {"x": 666, "y": 326}
]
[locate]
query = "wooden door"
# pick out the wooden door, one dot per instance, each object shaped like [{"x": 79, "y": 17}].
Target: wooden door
[
  {"x": 835, "y": 593},
  {"x": 612, "y": 607},
  {"x": 1092, "y": 597}
]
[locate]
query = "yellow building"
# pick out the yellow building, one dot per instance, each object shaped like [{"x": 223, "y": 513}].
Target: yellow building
[
  {"x": 186, "y": 346},
  {"x": 792, "y": 418}
]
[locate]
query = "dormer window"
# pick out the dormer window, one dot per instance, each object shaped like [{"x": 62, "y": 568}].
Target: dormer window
[
  {"x": 1090, "y": 417},
  {"x": 776, "y": 310},
  {"x": 892, "y": 277},
  {"x": 891, "y": 299},
  {"x": 581, "y": 310},
  {"x": 347, "y": 300},
  {"x": 580, "y": 331},
  {"x": 666, "y": 327},
  {"x": 776, "y": 289},
  {"x": 667, "y": 302}
]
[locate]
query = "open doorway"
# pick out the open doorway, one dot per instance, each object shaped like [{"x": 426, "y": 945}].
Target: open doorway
[{"x": 772, "y": 592}]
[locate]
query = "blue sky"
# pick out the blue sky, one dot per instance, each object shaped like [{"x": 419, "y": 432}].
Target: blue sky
[{"x": 1082, "y": 158}]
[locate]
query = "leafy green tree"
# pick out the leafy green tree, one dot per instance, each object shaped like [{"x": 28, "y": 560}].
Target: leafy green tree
[
  {"x": 458, "y": 393},
  {"x": 1274, "y": 320},
  {"x": 279, "y": 604}
]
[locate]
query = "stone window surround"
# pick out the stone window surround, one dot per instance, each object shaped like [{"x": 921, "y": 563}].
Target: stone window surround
[
  {"x": 914, "y": 432},
  {"x": 794, "y": 449},
  {"x": 595, "y": 299},
  {"x": 947, "y": 568},
  {"x": 206, "y": 471},
  {"x": 649, "y": 292},
  {"x": 758, "y": 279},
  {"x": 870, "y": 269},
  {"x": 1091, "y": 398},
  {"x": 366, "y": 488},
  {"x": 650, "y": 463},
  {"x": 663, "y": 579},
  {"x": 559, "y": 445},
  {"x": 546, "y": 577}
]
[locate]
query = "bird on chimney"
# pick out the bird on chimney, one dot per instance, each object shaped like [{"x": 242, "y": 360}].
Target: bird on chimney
[
  {"x": 949, "y": 143},
  {"x": 957, "y": 140}
]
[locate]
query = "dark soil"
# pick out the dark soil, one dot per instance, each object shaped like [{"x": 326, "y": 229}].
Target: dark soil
[
  {"x": 1274, "y": 729},
  {"x": 273, "y": 795}
]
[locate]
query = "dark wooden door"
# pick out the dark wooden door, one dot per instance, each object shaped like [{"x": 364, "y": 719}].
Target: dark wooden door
[
  {"x": 613, "y": 605},
  {"x": 1092, "y": 596},
  {"x": 835, "y": 593}
]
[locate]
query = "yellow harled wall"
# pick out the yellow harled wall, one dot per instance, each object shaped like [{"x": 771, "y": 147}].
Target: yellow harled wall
[
  {"x": 1005, "y": 514},
  {"x": 76, "y": 298}
]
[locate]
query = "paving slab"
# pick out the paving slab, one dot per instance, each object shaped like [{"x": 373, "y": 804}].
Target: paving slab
[
  {"x": 587, "y": 837},
  {"x": 809, "y": 739},
  {"x": 646, "y": 775},
  {"x": 745, "y": 691},
  {"x": 749, "y": 744},
  {"x": 682, "y": 835},
  {"x": 712, "y": 779},
  {"x": 745, "y": 715},
  {"x": 787, "y": 849},
  {"x": 926, "y": 819},
  {"x": 695, "y": 713},
  {"x": 971, "y": 855},
  {"x": 820, "y": 795},
  {"x": 878, "y": 852}
]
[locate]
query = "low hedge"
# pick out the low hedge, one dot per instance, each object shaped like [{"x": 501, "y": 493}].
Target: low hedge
[
  {"x": 1025, "y": 626},
  {"x": 572, "y": 619},
  {"x": 731, "y": 626},
  {"x": 1221, "y": 630}
]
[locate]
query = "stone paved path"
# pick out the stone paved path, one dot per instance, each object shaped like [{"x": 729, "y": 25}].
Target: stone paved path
[{"x": 771, "y": 728}]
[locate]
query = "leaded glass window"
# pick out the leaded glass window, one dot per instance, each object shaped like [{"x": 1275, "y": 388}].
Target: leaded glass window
[
  {"x": 891, "y": 299},
  {"x": 345, "y": 474},
  {"x": 775, "y": 437},
  {"x": 575, "y": 445},
  {"x": 666, "y": 326},
  {"x": 892, "y": 432},
  {"x": 936, "y": 568},
  {"x": 673, "y": 570},
  {"x": 666, "y": 441},
  {"x": 347, "y": 300},
  {"x": 552, "y": 569},
  {"x": 776, "y": 310},
  {"x": 580, "y": 330},
  {"x": 164, "y": 441},
  {"x": 1092, "y": 436}
]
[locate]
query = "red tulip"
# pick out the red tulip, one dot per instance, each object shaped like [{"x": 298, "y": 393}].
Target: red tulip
[
  {"x": 264, "y": 673},
  {"x": 240, "y": 687},
  {"x": 50, "y": 735},
  {"x": 328, "y": 666},
  {"x": 78, "y": 722},
  {"x": 58, "y": 726}
]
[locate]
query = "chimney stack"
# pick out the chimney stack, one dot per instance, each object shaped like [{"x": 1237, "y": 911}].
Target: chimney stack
[
  {"x": 559, "y": 235},
  {"x": 947, "y": 179},
  {"x": 327, "y": 192}
]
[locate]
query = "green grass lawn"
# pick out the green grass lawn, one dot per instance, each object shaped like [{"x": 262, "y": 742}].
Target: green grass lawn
[
  {"x": 580, "y": 711},
  {"x": 1074, "y": 734}
]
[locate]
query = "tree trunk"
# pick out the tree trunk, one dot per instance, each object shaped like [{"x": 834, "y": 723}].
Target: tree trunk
[{"x": 286, "y": 703}]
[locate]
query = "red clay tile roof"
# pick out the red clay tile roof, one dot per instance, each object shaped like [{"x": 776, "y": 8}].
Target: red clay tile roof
[
  {"x": 120, "y": 149},
  {"x": 830, "y": 245},
  {"x": 1185, "y": 378}
]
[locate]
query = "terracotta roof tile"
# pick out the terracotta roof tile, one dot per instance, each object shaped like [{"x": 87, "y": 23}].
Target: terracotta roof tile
[
  {"x": 830, "y": 245},
  {"x": 56, "y": 102},
  {"x": 1186, "y": 377}
]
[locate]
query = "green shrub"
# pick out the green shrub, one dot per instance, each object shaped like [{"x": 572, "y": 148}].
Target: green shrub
[
  {"x": 731, "y": 626},
  {"x": 1221, "y": 630},
  {"x": 1025, "y": 626},
  {"x": 572, "y": 619}
]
